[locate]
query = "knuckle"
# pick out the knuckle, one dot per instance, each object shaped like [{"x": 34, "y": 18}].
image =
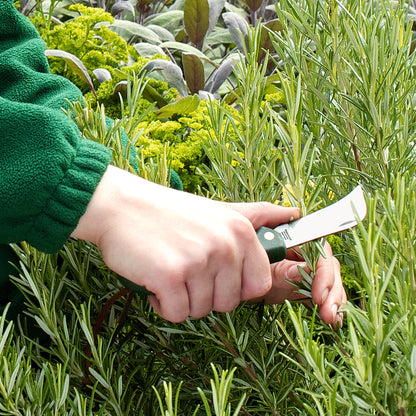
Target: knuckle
[
  {"x": 264, "y": 204},
  {"x": 174, "y": 270},
  {"x": 242, "y": 229}
]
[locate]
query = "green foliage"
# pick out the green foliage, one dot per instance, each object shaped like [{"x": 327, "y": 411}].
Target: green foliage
[
  {"x": 324, "y": 104},
  {"x": 183, "y": 137},
  {"x": 88, "y": 39},
  {"x": 182, "y": 134},
  {"x": 108, "y": 93}
]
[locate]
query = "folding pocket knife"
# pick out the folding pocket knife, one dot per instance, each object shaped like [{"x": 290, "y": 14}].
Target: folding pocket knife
[{"x": 332, "y": 219}]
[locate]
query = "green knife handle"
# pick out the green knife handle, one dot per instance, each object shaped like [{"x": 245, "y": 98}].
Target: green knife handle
[
  {"x": 139, "y": 290},
  {"x": 273, "y": 243}
]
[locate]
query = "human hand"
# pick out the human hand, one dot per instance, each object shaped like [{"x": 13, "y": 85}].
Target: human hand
[
  {"x": 194, "y": 254},
  {"x": 327, "y": 289}
]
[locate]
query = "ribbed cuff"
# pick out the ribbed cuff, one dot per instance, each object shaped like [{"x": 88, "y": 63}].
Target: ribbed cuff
[{"x": 71, "y": 197}]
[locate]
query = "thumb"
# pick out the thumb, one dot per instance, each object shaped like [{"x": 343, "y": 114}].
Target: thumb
[{"x": 265, "y": 214}]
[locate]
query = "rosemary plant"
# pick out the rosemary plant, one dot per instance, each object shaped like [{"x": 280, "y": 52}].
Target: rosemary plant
[{"x": 342, "y": 77}]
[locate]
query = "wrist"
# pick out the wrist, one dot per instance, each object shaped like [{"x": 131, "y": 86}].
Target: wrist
[{"x": 100, "y": 208}]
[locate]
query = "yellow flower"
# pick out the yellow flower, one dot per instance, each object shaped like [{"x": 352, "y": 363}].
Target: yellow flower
[{"x": 287, "y": 196}]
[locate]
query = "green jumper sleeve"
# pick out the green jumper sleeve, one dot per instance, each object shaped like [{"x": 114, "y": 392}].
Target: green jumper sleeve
[{"x": 48, "y": 172}]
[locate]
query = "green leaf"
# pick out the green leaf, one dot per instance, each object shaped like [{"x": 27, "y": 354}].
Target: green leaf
[
  {"x": 413, "y": 361},
  {"x": 221, "y": 74},
  {"x": 148, "y": 50},
  {"x": 135, "y": 29},
  {"x": 184, "y": 105},
  {"x": 120, "y": 89},
  {"x": 215, "y": 9},
  {"x": 219, "y": 36},
  {"x": 172, "y": 73},
  {"x": 164, "y": 34},
  {"x": 196, "y": 20},
  {"x": 184, "y": 47},
  {"x": 166, "y": 19},
  {"x": 193, "y": 70},
  {"x": 237, "y": 26},
  {"x": 102, "y": 74},
  {"x": 122, "y": 6},
  {"x": 74, "y": 63},
  {"x": 152, "y": 95}
]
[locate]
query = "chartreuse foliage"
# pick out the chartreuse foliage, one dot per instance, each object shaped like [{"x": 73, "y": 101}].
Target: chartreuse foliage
[
  {"x": 95, "y": 45},
  {"x": 328, "y": 105}
]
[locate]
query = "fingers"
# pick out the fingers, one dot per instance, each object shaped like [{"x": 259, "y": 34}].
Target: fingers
[
  {"x": 265, "y": 213},
  {"x": 329, "y": 308},
  {"x": 216, "y": 273},
  {"x": 325, "y": 277},
  {"x": 285, "y": 278},
  {"x": 328, "y": 290}
]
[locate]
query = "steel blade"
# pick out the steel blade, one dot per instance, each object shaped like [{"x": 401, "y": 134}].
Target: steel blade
[{"x": 332, "y": 219}]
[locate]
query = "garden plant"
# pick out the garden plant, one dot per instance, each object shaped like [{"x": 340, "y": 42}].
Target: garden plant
[{"x": 294, "y": 102}]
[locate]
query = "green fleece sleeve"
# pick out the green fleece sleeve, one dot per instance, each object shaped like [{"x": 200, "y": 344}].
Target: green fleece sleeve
[{"x": 48, "y": 172}]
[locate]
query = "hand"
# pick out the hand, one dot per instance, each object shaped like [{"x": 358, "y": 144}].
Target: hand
[
  {"x": 327, "y": 289},
  {"x": 194, "y": 254}
]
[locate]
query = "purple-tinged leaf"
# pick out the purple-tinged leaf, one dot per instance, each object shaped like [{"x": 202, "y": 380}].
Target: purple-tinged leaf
[
  {"x": 196, "y": 20},
  {"x": 193, "y": 70}
]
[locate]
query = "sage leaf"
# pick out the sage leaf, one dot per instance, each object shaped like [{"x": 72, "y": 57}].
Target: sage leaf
[
  {"x": 184, "y": 47},
  {"x": 136, "y": 29},
  {"x": 172, "y": 73},
  {"x": 253, "y": 5},
  {"x": 184, "y": 105},
  {"x": 74, "y": 63},
  {"x": 221, "y": 74},
  {"x": 121, "y": 7},
  {"x": 167, "y": 19},
  {"x": 237, "y": 26},
  {"x": 164, "y": 34},
  {"x": 102, "y": 74},
  {"x": 215, "y": 9},
  {"x": 148, "y": 50},
  {"x": 194, "y": 72},
  {"x": 196, "y": 20}
]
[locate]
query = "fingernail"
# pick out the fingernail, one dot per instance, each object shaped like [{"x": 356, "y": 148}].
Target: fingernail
[
  {"x": 291, "y": 218},
  {"x": 324, "y": 295},
  {"x": 340, "y": 320}
]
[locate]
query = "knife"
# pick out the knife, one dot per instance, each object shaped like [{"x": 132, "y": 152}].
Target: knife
[
  {"x": 329, "y": 220},
  {"x": 332, "y": 219}
]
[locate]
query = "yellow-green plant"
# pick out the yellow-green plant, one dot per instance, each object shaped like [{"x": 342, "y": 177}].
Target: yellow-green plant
[{"x": 86, "y": 37}]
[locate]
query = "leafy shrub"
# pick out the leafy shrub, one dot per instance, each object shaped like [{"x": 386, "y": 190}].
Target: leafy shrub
[{"x": 87, "y": 38}]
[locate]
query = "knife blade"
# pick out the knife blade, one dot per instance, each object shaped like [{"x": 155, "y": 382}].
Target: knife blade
[{"x": 332, "y": 219}]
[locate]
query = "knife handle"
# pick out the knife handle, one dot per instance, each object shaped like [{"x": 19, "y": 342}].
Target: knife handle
[
  {"x": 273, "y": 243},
  {"x": 139, "y": 290}
]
